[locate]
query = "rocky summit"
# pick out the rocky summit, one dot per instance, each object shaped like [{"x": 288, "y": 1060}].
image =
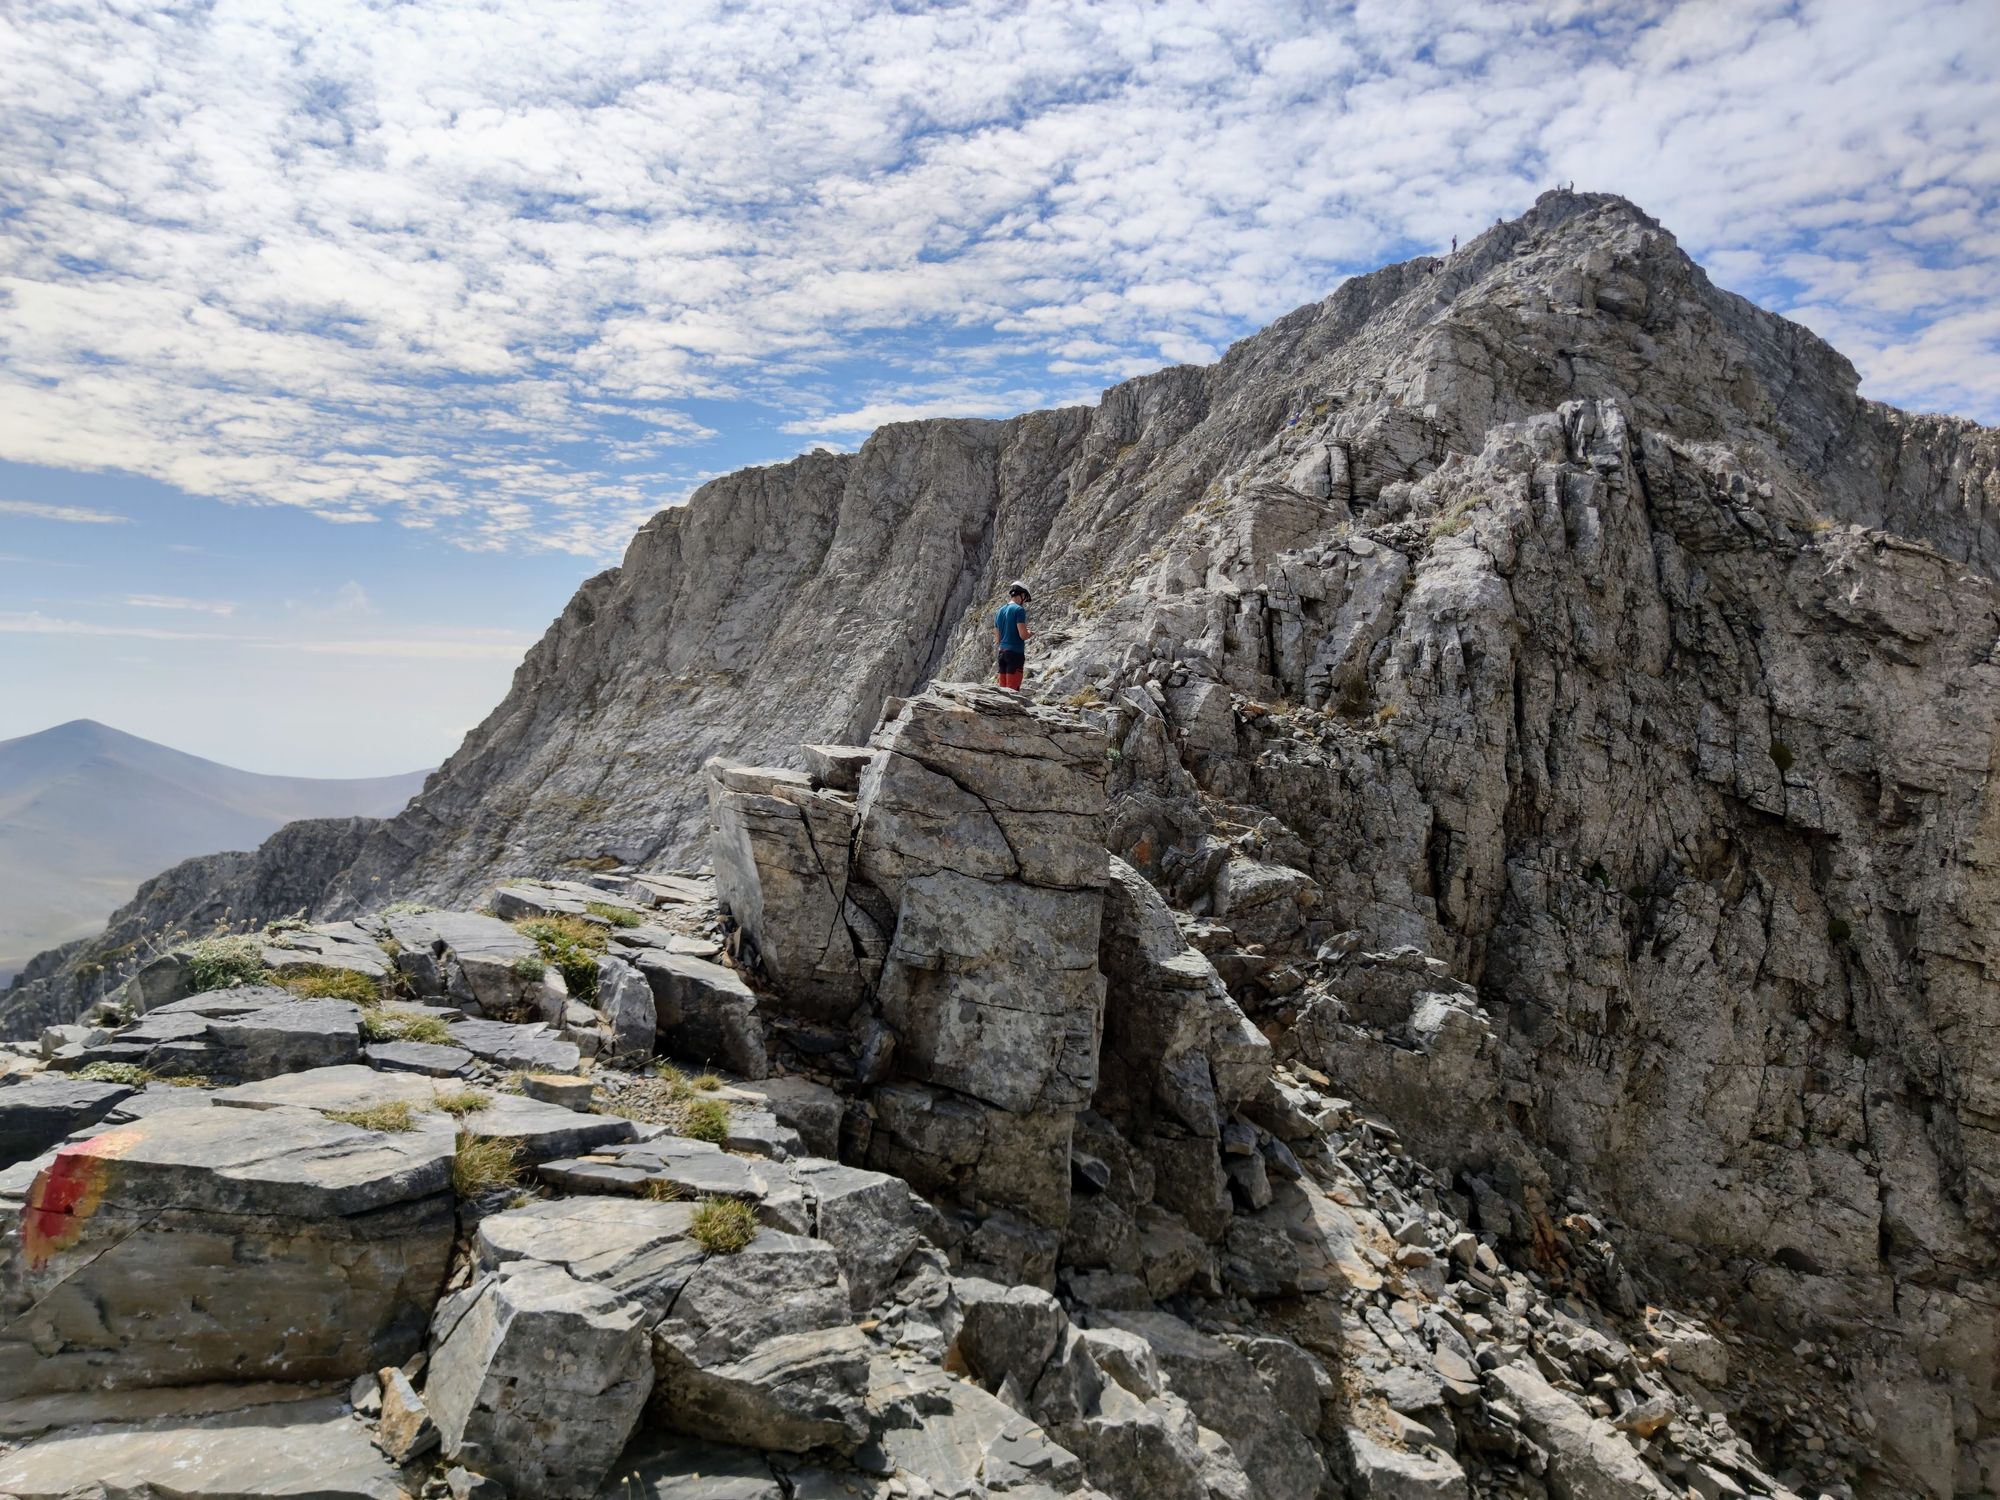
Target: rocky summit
[{"x": 1470, "y": 970}]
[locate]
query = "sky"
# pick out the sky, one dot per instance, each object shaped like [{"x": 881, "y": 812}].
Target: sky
[{"x": 340, "y": 341}]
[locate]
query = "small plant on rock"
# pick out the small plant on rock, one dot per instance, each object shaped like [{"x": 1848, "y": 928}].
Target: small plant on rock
[
  {"x": 617, "y": 916},
  {"x": 463, "y": 1102},
  {"x": 707, "y": 1120},
  {"x": 661, "y": 1190},
  {"x": 223, "y": 962},
  {"x": 571, "y": 946},
  {"x": 333, "y": 984},
  {"x": 394, "y": 1117},
  {"x": 483, "y": 1164},
  {"x": 723, "y": 1226},
  {"x": 406, "y": 909},
  {"x": 706, "y": 1083},
  {"x": 130, "y": 1074},
  {"x": 399, "y": 1026}
]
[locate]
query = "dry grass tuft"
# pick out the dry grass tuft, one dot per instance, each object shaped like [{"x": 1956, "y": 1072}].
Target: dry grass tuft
[
  {"x": 723, "y": 1226},
  {"x": 393, "y": 1117},
  {"x": 483, "y": 1165}
]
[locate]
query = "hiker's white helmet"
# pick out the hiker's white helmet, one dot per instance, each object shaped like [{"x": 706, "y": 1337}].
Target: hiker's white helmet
[{"x": 1018, "y": 587}]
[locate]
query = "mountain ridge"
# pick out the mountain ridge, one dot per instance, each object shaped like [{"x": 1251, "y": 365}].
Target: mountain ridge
[
  {"x": 88, "y": 811},
  {"x": 1542, "y": 613}
]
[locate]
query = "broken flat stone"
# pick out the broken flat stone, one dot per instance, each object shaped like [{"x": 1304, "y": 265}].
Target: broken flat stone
[
  {"x": 38, "y": 1111},
  {"x": 418, "y": 1057},
  {"x": 507, "y": 1045},
  {"x": 307, "y": 1450}
]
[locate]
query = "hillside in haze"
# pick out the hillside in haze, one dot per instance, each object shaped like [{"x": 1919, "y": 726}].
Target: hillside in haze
[{"x": 87, "y": 812}]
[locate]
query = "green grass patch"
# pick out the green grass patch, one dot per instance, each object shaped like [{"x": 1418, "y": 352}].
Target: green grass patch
[
  {"x": 660, "y": 1190},
  {"x": 333, "y": 984},
  {"x": 483, "y": 1165},
  {"x": 707, "y": 1120},
  {"x": 392, "y": 1117},
  {"x": 707, "y": 1083},
  {"x": 463, "y": 1102},
  {"x": 571, "y": 946},
  {"x": 617, "y": 916},
  {"x": 115, "y": 1072},
  {"x": 723, "y": 1226},
  {"x": 406, "y": 909},
  {"x": 223, "y": 962}
]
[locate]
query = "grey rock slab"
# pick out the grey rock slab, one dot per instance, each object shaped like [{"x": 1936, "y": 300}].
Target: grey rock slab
[
  {"x": 638, "y": 1249},
  {"x": 812, "y": 1109},
  {"x": 509, "y": 1045},
  {"x": 304, "y": 1450},
  {"x": 31, "y": 1416},
  {"x": 758, "y": 1132},
  {"x": 428, "y": 1058},
  {"x": 207, "y": 1244},
  {"x": 287, "y": 1038},
  {"x": 338, "y": 945},
  {"x": 480, "y": 959},
  {"x": 38, "y": 1111},
  {"x": 759, "y": 1348},
  {"x": 544, "y": 1132},
  {"x": 351, "y": 1086},
  {"x": 540, "y": 1379},
  {"x": 836, "y": 766}
]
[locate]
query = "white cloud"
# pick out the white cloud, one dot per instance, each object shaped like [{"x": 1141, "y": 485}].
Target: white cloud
[
  {"x": 465, "y": 266},
  {"x": 172, "y": 601},
  {"x": 34, "y": 622},
  {"x": 74, "y": 514}
]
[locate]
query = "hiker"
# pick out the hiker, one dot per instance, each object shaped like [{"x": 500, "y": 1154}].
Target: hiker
[
  {"x": 1454, "y": 244},
  {"x": 1010, "y": 635}
]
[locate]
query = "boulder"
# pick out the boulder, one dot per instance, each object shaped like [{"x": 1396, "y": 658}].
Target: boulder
[
  {"x": 780, "y": 849},
  {"x": 626, "y": 998},
  {"x": 1376, "y": 1470},
  {"x": 706, "y": 1014},
  {"x": 222, "y": 1244},
  {"x": 537, "y": 1379},
  {"x": 868, "y": 1219},
  {"x": 480, "y": 962},
  {"x": 759, "y": 1348},
  {"x": 663, "y": 1466}
]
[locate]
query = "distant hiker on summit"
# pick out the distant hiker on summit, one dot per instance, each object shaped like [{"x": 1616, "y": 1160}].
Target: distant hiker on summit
[{"x": 1010, "y": 635}]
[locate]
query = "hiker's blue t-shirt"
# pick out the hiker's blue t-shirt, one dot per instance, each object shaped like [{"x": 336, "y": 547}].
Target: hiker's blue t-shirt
[{"x": 1008, "y": 623}]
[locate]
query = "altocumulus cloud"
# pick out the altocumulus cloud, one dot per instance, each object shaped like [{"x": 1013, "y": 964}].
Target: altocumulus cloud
[{"x": 469, "y": 267}]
